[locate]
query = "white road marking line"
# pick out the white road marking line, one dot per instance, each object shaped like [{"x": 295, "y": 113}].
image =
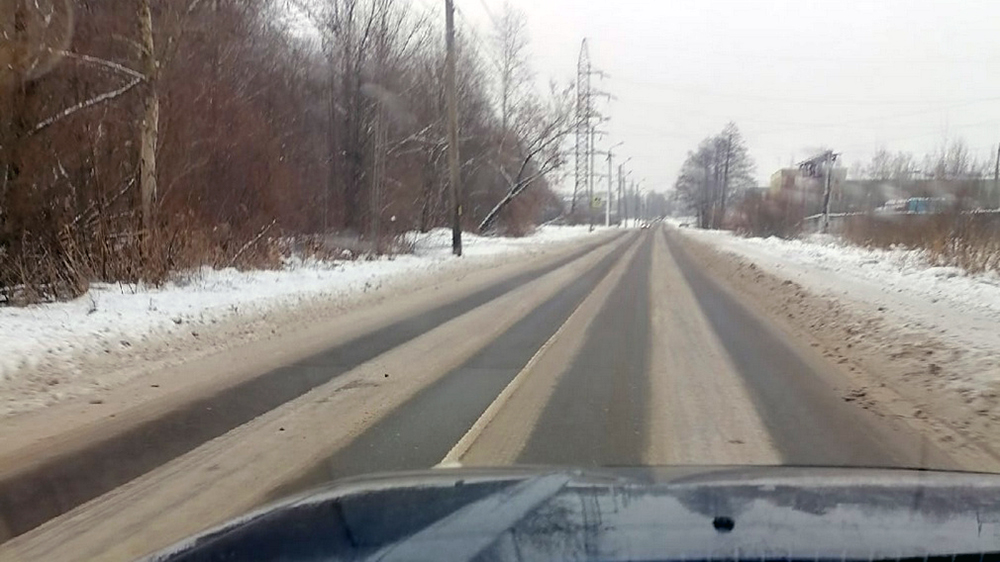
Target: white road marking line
[{"x": 454, "y": 456}]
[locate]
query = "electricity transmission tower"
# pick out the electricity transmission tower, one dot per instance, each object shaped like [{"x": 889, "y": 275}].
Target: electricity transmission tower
[{"x": 587, "y": 119}]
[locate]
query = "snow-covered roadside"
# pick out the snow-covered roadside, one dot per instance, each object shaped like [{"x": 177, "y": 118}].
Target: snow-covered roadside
[
  {"x": 912, "y": 342},
  {"x": 49, "y": 352},
  {"x": 961, "y": 310}
]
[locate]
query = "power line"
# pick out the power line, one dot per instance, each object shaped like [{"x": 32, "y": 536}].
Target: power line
[
  {"x": 473, "y": 32},
  {"x": 812, "y": 101},
  {"x": 853, "y": 61},
  {"x": 865, "y": 119},
  {"x": 489, "y": 14},
  {"x": 427, "y": 6},
  {"x": 877, "y": 143}
]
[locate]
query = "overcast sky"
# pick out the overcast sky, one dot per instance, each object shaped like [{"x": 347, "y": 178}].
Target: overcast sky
[{"x": 793, "y": 74}]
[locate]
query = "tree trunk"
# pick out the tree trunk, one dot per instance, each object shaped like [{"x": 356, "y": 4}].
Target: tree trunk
[
  {"x": 725, "y": 182},
  {"x": 428, "y": 197},
  {"x": 149, "y": 128},
  {"x": 494, "y": 214},
  {"x": 519, "y": 186},
  {"x": 11, "y": 98},
  {"x": 331, "y": 135}
]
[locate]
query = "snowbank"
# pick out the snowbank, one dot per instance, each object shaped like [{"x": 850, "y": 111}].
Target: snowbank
[
  {"x": 959, "y": 309},
  {"x": 110, "y": 319}
]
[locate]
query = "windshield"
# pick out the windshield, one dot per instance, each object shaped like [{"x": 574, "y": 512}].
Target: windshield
[{"x": 252, "y": 247}]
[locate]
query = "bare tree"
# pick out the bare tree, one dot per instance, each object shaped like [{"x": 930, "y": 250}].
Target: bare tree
[
  {"x": 214, "y": 124},
  {"x": 694, "y": 182},
  {"x": 510, "y": 42},
  {"x": 885, "y": 166},
  {"x": 540, "y": 149},
  {"x": 737, "y": 168},
  {"x": 719, "y": 167},
  {"x": 532, "y": 129},
  {"x": 32, "y": 41},
  {"x": 953, "y": 161}
]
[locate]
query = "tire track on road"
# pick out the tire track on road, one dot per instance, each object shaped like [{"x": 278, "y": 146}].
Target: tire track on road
[
  {"x": 56, "y": 485},
  {"x": 808, "y": 422},
  {"x": 418, "y": 434},
  {"x": 597, "y": 414}
]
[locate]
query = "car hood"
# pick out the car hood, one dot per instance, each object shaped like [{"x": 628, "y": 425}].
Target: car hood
[{"x": 685, "y": 513}]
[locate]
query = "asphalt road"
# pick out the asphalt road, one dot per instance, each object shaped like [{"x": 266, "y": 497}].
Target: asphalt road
[
  {"x": 599, "y": 411},
  {"x": 622, "y": 352}
]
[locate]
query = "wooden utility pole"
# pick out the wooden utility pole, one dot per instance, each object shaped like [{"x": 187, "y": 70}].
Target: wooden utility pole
[
  {"x": 451, "y": 96},
  {"x": 149, "y": 128}
]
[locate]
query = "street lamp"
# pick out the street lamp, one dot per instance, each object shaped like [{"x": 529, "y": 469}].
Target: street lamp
[
  {"x": 622, "y": 200},
  {"x": 638, "y": 200},
  {"x": 590, "y": 176},
  {"x": 607, "y": 202}
]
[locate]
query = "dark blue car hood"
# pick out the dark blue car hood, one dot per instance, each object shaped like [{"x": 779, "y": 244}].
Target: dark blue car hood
[{"x": 623, "y": 514}]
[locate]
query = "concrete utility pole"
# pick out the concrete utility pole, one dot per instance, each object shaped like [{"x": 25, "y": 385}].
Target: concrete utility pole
[
  {"x": 830, "y": 158},
  {"x": 640, "y": 207},
  {"x": 452, "y": 101},
  {"x": 996, "y": 180},
  {"x": 621, "y": 184},
  {"x": 607, "y": 202},
  {"x": 590, "y": 181},
  {"x": 623, "y": 193},
  {"x": 635, "y": 206}
]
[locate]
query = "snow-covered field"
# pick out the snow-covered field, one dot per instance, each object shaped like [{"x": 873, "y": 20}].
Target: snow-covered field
[
  {"x": 900, "y": 286},
  {"x": 55, "y": 338}
]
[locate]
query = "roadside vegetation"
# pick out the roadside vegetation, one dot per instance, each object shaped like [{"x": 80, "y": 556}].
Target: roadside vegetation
[
  {"x": 713, "y": 175},
  {"x": 970, "y": 241},
  {"x": 140, "y": 138},
  {"x": 944, "y": 205},
  {"x": 962, "y": 231}
]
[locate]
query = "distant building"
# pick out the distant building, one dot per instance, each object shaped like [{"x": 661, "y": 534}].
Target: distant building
[
  {"x": 805, "y": 186},
  {"x": 784, "y": 180}
]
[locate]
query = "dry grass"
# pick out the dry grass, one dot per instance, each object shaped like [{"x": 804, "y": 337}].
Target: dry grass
[
  {"x": 968, "y": 241},
  {"x": 767, "y": 215},
  {"x": 51, "y": 268},
  {"x": 61, "y": 266}
]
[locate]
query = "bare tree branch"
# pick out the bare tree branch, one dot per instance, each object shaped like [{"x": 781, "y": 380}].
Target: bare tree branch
[
  {"x": 108, "y": 96},
  {"x": 99, "y": 62},
  {"x": 255, "y": 239}
]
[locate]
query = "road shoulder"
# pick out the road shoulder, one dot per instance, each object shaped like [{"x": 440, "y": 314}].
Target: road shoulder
[
  {"x": 876, "y": 367},
  {"x": 298, "y": 333}
]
